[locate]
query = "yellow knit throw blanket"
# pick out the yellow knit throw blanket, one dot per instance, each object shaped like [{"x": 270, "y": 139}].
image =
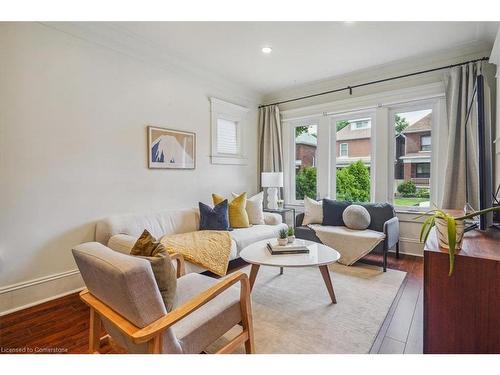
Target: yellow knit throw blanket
[{"x": 208, "y": 248}]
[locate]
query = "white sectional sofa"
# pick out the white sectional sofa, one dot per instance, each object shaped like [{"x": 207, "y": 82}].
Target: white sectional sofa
[{"x": 120, "y": 232}]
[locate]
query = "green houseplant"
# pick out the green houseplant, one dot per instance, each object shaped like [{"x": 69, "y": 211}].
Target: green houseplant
[
  {"x": 283, "y": 237},
  {"x": 450, "y": 230}
]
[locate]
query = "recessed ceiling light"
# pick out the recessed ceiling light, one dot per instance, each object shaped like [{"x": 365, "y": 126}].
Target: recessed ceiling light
[{"x": 267, "y": 50}]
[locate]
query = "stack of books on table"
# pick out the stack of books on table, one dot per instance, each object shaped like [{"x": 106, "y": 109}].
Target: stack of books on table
[{"x": 296, "y": 247}]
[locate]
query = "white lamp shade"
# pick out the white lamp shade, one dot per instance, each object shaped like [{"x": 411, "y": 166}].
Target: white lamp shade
[{"x": 272, "y": 179}]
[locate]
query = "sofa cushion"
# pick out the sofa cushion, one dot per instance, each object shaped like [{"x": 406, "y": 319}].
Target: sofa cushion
[
  {"x": 122, "y": 243},
  {"x": 238, "y": 217},
  {"x": 313, "y": 211},
  {"x": 247, "y": 236},
  {"x": 157, "y": 223},
  {"x": 356, "y": 217},
  {"x": 271, "y": 218},
  {"x": 332, "y": 212},
  {"x": 215, "y": 218}
]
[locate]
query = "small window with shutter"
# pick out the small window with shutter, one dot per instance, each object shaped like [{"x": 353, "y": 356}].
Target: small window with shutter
[
  {"x": 227, "y": 132},
  {"x": 227, "y": 137}
]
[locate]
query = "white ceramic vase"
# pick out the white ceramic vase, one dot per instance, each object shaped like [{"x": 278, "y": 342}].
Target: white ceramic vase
[
  {"x": 291, "y": 239},
  {"x": 282, "y": 241},
  {"x": 442, "y": 233}
]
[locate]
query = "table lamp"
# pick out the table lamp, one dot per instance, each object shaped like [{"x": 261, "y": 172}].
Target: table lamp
[{"x": 272, "y": 181}]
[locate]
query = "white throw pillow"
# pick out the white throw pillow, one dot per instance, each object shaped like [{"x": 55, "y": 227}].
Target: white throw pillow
[
  {"x": 313, "y": 211},
  {"x": 356, "y": 217},
  {"x": 254, "y": 208}
]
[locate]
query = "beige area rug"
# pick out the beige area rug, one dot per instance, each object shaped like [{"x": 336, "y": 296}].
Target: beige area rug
[{"x": 293, "y": 313}]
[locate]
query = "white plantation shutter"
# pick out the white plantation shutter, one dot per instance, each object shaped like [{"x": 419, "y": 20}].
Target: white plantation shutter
[
  {"x": 227, "y": 132},
  {"x": 227, "y": 137}
]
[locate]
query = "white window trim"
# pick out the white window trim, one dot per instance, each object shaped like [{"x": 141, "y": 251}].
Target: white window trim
[
  {"x": 289, "y": 158},
  {"x": 418, "y": 105},
  {"x": 355, "y": 114},
  {"x": 380, "y": 104},
  {"x": 221, "y": 109}
]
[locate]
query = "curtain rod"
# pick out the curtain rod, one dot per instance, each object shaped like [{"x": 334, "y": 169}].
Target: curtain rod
[{"x": 374, "y": 82}]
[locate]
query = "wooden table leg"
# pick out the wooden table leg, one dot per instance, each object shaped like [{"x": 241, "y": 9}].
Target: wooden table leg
[
  {"x": 253, "y": 274},
  {"x": 281, "y": 270},
  {"x": 325, "y": 272}
]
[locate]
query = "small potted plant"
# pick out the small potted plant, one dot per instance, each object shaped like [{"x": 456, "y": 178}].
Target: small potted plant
[
  {"x": 283, "y": 237},
  {"x": 449, "y": 230},
  {"x": 291, "y": 235}
]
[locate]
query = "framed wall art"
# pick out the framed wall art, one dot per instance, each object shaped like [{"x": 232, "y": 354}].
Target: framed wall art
[{"x": 171, "y": 149}]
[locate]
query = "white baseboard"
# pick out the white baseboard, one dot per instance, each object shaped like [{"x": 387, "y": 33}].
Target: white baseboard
[
  {"x": 29, "y": 293},
  {"x": 411, "y": 246}
]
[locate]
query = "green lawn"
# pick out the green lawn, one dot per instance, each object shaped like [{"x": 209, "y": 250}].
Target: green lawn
[{"x": 409, "y": 201}]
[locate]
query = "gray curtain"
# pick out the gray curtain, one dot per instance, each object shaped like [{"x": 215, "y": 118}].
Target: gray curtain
[
  {"x": 270, "y": 140},
  {"x": 461, "y": 184}
]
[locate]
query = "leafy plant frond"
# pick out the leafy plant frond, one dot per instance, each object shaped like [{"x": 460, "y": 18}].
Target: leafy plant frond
[
  {"x": 426, "y": 228},
  {"x": 452, "y": 238},
  {"x": 478, "y": 213}
]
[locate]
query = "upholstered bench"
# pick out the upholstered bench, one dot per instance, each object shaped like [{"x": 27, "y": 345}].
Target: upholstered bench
[{"x": 383, "y": 222}]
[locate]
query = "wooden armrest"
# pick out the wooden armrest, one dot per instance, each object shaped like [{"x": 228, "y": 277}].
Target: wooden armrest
[
  {"x": 122, "y": 323},
  {"x": 181, "y": 266},
  {"x": 153, "y": 329}
]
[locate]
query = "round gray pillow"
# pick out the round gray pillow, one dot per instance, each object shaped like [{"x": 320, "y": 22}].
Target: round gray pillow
[{"x": 356, "y": 217}]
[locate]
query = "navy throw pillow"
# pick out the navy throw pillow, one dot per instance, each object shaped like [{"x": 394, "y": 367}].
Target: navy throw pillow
[
  {"x": 332, "y": 212},
  {"x": 214, "y": 218}
]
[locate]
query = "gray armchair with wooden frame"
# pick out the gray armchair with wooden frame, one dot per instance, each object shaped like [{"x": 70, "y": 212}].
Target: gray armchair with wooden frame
[{"x": 123, "y": 295}]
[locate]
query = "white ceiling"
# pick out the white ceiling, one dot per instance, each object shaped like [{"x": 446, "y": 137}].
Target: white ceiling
[{"x": 302, "y": 51}]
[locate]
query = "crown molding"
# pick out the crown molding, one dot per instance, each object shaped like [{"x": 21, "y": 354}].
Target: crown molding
[
  {"x": 113, "y": 37},
  {"x": 495, "y": 53}
]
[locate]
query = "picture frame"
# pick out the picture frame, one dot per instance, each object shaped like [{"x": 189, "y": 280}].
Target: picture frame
[{"x": 171, "y": 149}]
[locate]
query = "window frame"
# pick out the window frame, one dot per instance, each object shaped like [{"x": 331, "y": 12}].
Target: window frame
[
  {"x": 346, "y": 149},
  {"x": 223, "y": 110},
  {"x": 422, "y": 144},
  {"x": 411, "y": 106},
  {"x": 416, "y": 170},
  {"x": 290, "y": 166},
  {"x": 369, "y": 115}
]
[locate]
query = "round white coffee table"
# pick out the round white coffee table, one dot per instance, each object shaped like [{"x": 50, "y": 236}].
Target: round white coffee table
[{"x": 319, "y": 255}]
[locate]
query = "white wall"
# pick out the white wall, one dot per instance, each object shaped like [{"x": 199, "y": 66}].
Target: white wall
[
  {"x": 73, "y": 119},
  {"x": 380, "y": 99}
]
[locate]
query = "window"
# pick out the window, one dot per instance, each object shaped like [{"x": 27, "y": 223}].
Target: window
[
  {"x": 425, "y": 143},
  {"x": 305, "y": 145},
  {"x": 360, "y": 124},
  {"x": 423, "y": 170},
  {"x": 353, "y": 158},
  {"x": 412, "y": 157},
  {"x": 344, "y": 150},
  {"x": 227, "y": 137},
  {"x": 227, "y": 130}
]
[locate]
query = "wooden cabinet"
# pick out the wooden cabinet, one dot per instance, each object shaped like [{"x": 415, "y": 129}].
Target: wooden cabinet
[{"x": 462, "y": 312}]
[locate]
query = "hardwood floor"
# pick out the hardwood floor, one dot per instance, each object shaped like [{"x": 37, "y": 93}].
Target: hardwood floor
[
  {"x": 402, "y": 330},
  {"x": 61, "y": 325}
]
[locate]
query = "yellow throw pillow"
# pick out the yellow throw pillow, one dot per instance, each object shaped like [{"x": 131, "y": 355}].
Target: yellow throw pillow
[{"x": 238, "y": 217}]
